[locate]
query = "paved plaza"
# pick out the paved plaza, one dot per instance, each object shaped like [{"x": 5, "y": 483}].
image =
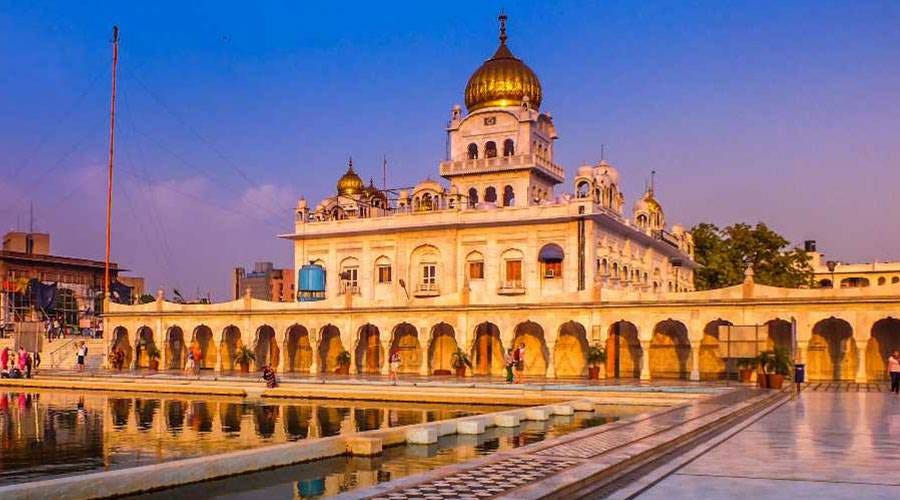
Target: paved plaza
[{"x": 826, "y": 444}]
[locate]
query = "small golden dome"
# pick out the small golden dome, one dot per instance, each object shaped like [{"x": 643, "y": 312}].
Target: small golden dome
[
  {"x": 350, "y": 183},
  {"x": 503, "y": 80}
]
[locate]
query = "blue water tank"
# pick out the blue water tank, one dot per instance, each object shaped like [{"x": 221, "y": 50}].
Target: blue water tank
[{"x": 312, "y": 283}]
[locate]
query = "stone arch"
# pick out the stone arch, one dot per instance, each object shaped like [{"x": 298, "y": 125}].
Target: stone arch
[
  {"x": 831, "y": 352},
  {"x": 122, "y": 342},
  {"x": 488, "y": 357},
  {"x": 405, "y": 339},
  {"x": 570, "y": 352},
  {"x": 176, "y": 350},
  {"x": 330, "y": 346},
  {"x": 440, "y": 350},
  {"x": 369, "y": 355},
  {"x": 298, "y": 349},
  {"x": 265, "y": 348},
  {"x": 712, "y": 366},
  {"x": 509, "y": 196},
  {"x": 490, "y": 194},
  {"x": 670, "y": 351},
  {"x": 229, "y": 345},
  {"x": 532, "y": 335},
  {"x": 885, "y": 339},
  {"x": 473, "y": 197},
  {"x": 202, "y": 339},
  {"x": 779, "y": 334},
  {"x": 142, "y": 346},
  {"x": 623, "y": 351},
  {"x": 472, "y": 151}
]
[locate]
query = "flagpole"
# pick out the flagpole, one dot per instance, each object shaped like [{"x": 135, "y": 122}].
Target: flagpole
[{"x": 112, "y": 151}]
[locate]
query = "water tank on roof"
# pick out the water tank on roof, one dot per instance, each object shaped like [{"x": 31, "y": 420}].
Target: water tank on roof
[{"x": 312, "y": 283}]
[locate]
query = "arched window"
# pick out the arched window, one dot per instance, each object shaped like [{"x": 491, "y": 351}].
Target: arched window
[
  {"x": 490, "y": 195},
  {"x": 475, "y": 266},
  {"x": 551, "y": 257},
  {"x": 509, "y": 197},
  {"x": 473, "y": 151},
  {"x": 490, "y": 149},
  {"x": 826, "y": 283},
  {"x": 383, "y": 271},
  {"x": 895, "y": 280},
  {"x": 509, "y": 147},
  {"x": 854, "y": 282},
  {"x": 642, "y": 221},
  {"x": 473, "y": 197},
  {"x": 882, "y": 281},
  {"x": 427, "y": 203},
  {"x": 583, "y": 189}
]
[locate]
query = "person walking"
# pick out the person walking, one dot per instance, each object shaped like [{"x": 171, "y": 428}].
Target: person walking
[
  {"x": 28, "y": 364},
  {"x": 37, "y": 361},
  {"x": 893, "y": 366},
  {"x": 4, "y": 358},
  {"x": 510, "y": 365},
  {"x": 80, "y": 355},
  {"x": 520, "y": 363},
  {"x": 21, "y": 359},
  {"x": 189, "y": 366},
  {"x": 394, "y": 365}
]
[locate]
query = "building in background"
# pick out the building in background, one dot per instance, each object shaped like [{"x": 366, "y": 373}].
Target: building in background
[
  {"x": 836, "y": 274},
  {"x": 25, "y": 259},
  {"x": 265, "y": 282}
]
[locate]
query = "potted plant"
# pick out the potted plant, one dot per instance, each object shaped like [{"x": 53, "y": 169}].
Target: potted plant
[
  {"x": 243, "y": 357},
  {"x": 762, "y": 361},
  {"x": 459, "y": 361},
  {"x": 745, "y": 369},
  {"x": 596, "y": 356},
  {"x": 343, "y": 361},
  {"x": 779, "y": 366},
  {"x": 154, "y": 355}
]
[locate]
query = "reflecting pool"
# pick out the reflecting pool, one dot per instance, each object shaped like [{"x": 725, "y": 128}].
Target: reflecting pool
[
  {"x": 48, "y": 434},
  {"x": 340, "y": 474}
]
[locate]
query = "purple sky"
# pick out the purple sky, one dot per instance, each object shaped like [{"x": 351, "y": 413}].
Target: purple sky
[{"x": 783, "y": 112}]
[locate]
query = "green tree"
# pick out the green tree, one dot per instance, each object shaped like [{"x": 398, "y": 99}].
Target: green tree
[{"x": 726, "y": 253}]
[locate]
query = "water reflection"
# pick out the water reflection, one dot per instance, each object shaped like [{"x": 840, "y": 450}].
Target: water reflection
[
  {"x": 341, "y": 474},
  {"x": 57, "y": 433}
]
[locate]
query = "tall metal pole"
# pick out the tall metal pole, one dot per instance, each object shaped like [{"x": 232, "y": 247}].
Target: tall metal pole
[{"x": 112, "y": 152}]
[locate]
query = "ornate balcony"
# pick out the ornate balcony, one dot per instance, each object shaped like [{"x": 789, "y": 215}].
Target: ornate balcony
[
  {"x": 501, "y": 163},
  {"x": 511, "y": 287},
  {"x": 426, "y": 290}
]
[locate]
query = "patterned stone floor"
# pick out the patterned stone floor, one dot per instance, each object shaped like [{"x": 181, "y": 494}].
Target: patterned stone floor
[
  {"x": 503, "y": 475},
  {"x": 846, "y": 387},
  {"x": 828, "y": 443}
]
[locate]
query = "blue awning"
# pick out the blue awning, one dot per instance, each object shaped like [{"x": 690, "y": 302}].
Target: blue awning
[{"x": 551, "y": 253}]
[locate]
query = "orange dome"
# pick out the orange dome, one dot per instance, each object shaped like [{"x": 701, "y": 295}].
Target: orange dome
[{"x": 350, "y": 183}]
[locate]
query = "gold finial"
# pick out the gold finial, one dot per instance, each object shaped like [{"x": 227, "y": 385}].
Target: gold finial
[
  {"x": 502, "y": 17},
  {"x": 350, "y": 163}
]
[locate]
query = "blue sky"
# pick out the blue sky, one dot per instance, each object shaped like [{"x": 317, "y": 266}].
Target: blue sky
[{"x": 784, "y": 112}]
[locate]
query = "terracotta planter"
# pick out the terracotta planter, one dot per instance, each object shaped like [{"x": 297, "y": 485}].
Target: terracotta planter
[
  {"x": 245, "y": 367},
  {"x": 461, "y": 371},
  {"x": 774, "y": 381},
  {"x": 745, "y": 375},
  {"x": 154, "y": 364},
  {"x": 761, "y": 381},
  {"x": 593, "y": 372},
  {"x": 342, "y": 370}
]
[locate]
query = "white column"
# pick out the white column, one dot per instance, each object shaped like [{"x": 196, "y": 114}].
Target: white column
[
  {"x": 695, "y": 360},
  {"x": 861, "y": 375},
  {"x": 645, "y": 360}
]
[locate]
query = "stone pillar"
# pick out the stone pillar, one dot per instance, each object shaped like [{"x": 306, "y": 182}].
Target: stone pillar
[
  {"x": 161, "y": 345},
  {"x": 551, "y": 365},
  {"x": 695, "y": 360},
  {"x": 645, "y": 360},
  {"x": 386, "y": 357},
  {"x": 861, "y": 375},
  {"x": 424, "y": 348},
  {"x": 314, "y": 346}
]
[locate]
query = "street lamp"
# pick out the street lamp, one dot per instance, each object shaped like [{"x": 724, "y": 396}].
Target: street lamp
[{"x": 831, "y": 265}]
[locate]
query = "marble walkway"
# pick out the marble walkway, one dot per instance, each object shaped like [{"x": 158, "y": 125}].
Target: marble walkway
[{"x": 830, "y": 443}]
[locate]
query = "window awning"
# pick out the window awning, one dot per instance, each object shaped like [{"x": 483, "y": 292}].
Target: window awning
[{"x": 551, "y": 253}]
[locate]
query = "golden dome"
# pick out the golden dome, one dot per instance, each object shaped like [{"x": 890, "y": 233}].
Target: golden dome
[
  {"x": 503, "y": 80},
  {"x": 350, "y": 183}
]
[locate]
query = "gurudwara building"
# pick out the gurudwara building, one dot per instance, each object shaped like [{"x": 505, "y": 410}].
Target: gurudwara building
[{"x": 507, "y": 250}]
